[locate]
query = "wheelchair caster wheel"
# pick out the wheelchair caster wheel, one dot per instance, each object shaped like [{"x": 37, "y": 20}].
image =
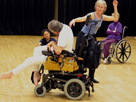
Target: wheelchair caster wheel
[
  {"x": 40, "y": 91},
  {"x": 109, "y": 60}
]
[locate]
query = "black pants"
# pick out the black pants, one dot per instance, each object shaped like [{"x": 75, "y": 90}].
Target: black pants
[{"x": 78, "y": 41}]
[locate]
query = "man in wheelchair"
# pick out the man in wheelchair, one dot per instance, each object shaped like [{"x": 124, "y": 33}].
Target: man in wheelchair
[
  {"x": 65, "y": 42},
  {"x": 65, "y": 75}
]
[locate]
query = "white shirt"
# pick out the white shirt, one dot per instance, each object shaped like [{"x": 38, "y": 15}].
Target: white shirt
[{"x": 66, "y": 38}]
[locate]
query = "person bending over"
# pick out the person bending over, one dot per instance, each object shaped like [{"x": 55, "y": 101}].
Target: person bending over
[{"x": 65, "y": 42}]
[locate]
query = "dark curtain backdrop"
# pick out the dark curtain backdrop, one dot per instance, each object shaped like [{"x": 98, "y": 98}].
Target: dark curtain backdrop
[
  {"x": 25, "y": 17},
  {"x": 29, "y": 17},
  {"x": 69, "y": 9}
]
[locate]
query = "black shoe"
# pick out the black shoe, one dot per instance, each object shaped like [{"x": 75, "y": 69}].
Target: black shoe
[{"x": 95, "y": 81}]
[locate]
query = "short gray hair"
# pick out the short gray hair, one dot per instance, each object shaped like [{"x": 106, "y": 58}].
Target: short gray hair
[
  {"x": 101, "y": 2},
  {"x": 117, "y": 14},
  {"x": 55, "y": 25}
]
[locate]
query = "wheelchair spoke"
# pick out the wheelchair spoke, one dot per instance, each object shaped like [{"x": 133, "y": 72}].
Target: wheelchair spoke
[
  {"x": 118, "y": 52},
  {"x": 127, "y": 47},
  {"x": 120, "y": 56},
  {"x": 121, "y": 45},
  {"x": 126, "y": 56},
  {"x": 120, "y": 48},
  {"x": 127, "y": 51},
  {"x": 124, "y": 45}
]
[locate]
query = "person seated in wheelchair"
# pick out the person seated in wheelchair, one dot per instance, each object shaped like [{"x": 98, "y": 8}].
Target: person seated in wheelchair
[
  {"x": 114, "y": 31},
  {"x": 65, "y": 42}
]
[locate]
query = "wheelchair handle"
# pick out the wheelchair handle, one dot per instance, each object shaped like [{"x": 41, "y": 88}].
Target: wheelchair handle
[
  {"x": 79, "y": 58},
  {"x": 124, "y": 31}
]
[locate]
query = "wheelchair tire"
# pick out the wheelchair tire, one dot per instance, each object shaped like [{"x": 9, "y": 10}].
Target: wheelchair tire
[
  {"x": 123, "y": 51},
  {"x": 109, "y": 60},
  {"x": 40, "y": 91},
  {"x": 74, "y": 89}
]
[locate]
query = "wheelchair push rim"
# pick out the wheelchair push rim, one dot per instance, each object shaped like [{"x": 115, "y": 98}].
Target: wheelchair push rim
[
  {"x": 123, "y": 51},
  {"x": 74, "y": 89}
]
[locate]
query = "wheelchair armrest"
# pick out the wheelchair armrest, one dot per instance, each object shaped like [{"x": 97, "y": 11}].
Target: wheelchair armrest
[
  {"x": 67, "y": 53},
  {"x": 47, "y": 53}
]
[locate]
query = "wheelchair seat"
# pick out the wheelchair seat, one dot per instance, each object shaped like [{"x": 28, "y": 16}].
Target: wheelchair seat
[{"x": 66, "y": 61}]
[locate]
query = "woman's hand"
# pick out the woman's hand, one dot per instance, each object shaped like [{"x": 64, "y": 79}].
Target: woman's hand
[
  {"x": 49, "y": 45},
  {"x": 72, "y": 23},
  {"x": 115, "y": 3}
]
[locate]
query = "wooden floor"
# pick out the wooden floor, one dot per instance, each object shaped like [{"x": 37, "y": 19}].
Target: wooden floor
[{"x": 117, "y": 81}]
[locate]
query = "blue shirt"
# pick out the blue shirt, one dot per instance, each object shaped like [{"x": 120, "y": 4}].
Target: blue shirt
[
  {"x": 94, "y": 24},
  {"x": 44, "y": 42}
]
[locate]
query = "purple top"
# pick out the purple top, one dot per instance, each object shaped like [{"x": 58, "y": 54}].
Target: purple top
[{"x": 115, "y": 30}]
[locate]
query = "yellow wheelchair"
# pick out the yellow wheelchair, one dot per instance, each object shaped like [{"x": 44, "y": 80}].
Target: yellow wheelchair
[
  {"x": 67, "y": 71},
  {"x": 64, "y": 74}
]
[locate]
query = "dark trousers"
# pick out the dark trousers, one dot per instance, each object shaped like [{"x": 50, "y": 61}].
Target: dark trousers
[
  {"x": 78, "y": 41},
  {"x": 107, "y": 46}
]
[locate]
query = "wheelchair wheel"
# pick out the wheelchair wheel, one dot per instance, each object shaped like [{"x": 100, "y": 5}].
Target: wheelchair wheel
[
  {"x": 74, "y": 89},
  {"x": 123, "y": 51},
  {"x": 40, "y": 91}
]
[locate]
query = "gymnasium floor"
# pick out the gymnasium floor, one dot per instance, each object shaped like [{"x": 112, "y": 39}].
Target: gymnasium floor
[{"x": 117, "y": 80}]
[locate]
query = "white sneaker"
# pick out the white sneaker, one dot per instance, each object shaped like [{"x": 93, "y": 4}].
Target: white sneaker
[{"x": 105, "y": 61}]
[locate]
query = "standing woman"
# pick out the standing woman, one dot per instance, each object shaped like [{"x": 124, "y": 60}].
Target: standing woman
[{"x": 97, "y": 15}]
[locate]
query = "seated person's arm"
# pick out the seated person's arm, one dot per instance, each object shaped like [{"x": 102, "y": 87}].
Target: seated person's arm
[
  {"x": 112, "y": 32},
  {"x": 39, "y": 44},
  {"x": 109, "y": 31},
  {"x": 54, "y": 40},
  {"x": 118, "y": 30},
  {"x": 57, "y": 49}
]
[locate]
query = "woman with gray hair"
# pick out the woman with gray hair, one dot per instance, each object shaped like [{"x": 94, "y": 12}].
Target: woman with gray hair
[{"x": 96, "y": 16}]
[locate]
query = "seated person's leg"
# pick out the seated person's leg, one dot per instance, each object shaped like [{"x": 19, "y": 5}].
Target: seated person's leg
[
  {"x": 38, "y": 50},
  {"x": 36, "y": 77},
  {"x": 6, "y": 75},
  {"x": 26, "y": 64},
  {"x": 106, "y": 48}
]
